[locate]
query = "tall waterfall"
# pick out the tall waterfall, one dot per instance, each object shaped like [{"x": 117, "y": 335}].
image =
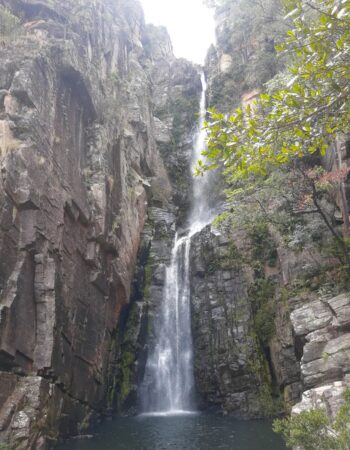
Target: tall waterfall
[{"x": 170, "y": 363}]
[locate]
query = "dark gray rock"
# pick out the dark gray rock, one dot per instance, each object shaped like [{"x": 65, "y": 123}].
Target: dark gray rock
[{"x": 229, "y": 367}]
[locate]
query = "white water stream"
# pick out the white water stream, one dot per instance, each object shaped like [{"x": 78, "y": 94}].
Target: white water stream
[{"x": 170, "y": 363}]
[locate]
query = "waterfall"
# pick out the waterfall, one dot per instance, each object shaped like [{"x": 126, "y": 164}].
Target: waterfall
[
  {"x": 170, "y": 363},
  {"x": 201, "y": 213}
]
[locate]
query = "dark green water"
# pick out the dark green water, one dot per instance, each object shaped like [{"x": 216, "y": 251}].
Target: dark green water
[{"x": 190, "y": 432}]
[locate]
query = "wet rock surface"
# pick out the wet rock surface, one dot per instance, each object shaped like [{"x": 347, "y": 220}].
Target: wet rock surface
[
  {"x": 305, "y": 362},
  {"x": 228, "y": 364},
  {"x": 176, "y": 89}
]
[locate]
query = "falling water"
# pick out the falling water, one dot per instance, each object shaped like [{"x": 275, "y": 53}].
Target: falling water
[
  {"x": 169, "y": 369},
  {"x": 202, "y": 213}
]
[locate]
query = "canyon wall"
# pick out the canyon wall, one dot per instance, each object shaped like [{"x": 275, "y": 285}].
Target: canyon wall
[
  {"x": 90, "y": 98},
  {"x": 97, "y": 122},
  {"x": 270, "y": 310}
]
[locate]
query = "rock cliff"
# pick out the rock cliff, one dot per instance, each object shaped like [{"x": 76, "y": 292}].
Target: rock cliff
[
  {"x": 89, "y": 100},
  {"x": 230, "y": 369},
  {"x": 270, "y": 316},
  {"x": 244, "y": 57},
  {"x": 97, "y": 119}
]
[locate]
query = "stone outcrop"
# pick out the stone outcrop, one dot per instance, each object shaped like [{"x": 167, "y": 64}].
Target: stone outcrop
[
  {"x": 306, "y": 351},
  {"x": 321, "y": 329},
  {"x": 244, "y": 56},
  {"x": 82, "y": 118},
  {"x": 176, "y": 90},
  {"x": 305, "y": 361},
  {"x": 307, "y": 356}
]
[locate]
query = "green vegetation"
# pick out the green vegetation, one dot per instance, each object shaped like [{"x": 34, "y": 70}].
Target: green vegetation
[
  {"x": 148, "y": 270},
  {"x": 268, "y": 398},
  {"x": 262, "y": 249},
  {"x": 270, "y": 402},
  {"x": 233, "y": 259},
  {"x": 270, "y": 149},
  {"x": 313, "y": 430},
  {"x": 300, "y": 117},
  {"x": 263, "y": 246},
  {"x": 125, "y": 383},
  {"x": 127, "y": 361},
  {"x": 264, "y": 324},
  {"x": 230, "y": 259},
  {"x": 9, "y": 25},
  {"x": 111, "y": 374}
]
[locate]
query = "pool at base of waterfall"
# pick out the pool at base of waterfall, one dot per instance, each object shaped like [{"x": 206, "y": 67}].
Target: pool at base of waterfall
[{"x": 180, "y": 432}]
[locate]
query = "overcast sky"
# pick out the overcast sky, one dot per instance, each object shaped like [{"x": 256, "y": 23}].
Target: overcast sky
[{"x": 189, "y": 22}]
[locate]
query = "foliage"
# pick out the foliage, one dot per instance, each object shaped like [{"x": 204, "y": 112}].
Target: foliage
[
  {"x": 301, "y": 116},
  {"x": 262, "y": 293},
  {"x": 262, "y": 244},
  {"x": 342, "y": 423},
  {"x": 270, "y": 149},
  {"x": 300, "y": 202},
  {"x": 309, "y": 429},
  {"x": 313, "y": 430},
  {"x": 262, "y": 250},
  {"x": 126, "y": 375},
  {"x": 9, "y": 24},
  {"x": 271, "y": 403},
  {"x": 264, "y": 324}
]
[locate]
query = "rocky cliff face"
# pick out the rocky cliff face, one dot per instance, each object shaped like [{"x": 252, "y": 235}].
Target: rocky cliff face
[
  {"x": 266, "y": 336},
  {"x": 264, "y": 341},
  {"x": 87, "y": 101},
  {"x": 96, "y": 131},
  {"x": 244, "y": 57},
  {"x": 229, "y": 367},
  {"x": 177, "y": 89},
  {"x": 321, "y": 328}
]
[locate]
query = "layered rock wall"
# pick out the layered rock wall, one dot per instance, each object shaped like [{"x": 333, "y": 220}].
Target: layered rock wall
[
  {"x": 229, "y": 367},
  {"x": 79, "y": 153},
  {"x": 293, "y": 357},
  {"x": 277, "y": 301}
]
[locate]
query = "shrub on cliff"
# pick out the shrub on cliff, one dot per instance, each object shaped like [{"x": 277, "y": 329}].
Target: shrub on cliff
[
  {"x": 9, "y": 24},
  {"x": 313, "y": 430}
]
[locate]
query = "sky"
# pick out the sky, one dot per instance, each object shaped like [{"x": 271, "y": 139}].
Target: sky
[{"x": 189, "y": 22}]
